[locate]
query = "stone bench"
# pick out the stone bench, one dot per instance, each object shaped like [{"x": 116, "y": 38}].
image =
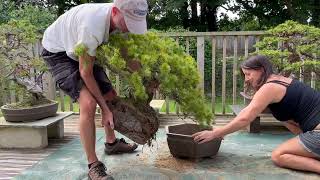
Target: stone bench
[
  {"x": 254, "y": 126},
  {"x": 32, "y": 134},
  {"x": 157, "y": 104}
]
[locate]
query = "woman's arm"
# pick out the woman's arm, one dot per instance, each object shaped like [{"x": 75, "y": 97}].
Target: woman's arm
[
  {"x": 262, "y": 98},
  {"x": 293, "y": 127}
]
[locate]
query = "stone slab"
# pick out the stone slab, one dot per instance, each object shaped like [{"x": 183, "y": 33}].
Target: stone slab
[
  {"x": 157, "y": 104},
  {"x": 32, "y": 134},
  {"x": 35, "y": 124}
]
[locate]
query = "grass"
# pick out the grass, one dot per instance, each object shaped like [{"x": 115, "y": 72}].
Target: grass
[
  {"x": 218, "y": 105},
  {"x": 67, "y": 101},
  {"x": 172, "y": 105}
]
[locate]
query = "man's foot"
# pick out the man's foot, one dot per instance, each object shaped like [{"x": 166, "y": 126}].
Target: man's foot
[
  {"x": 97, "y": 171},
  {"x": 121, "y": 146}
]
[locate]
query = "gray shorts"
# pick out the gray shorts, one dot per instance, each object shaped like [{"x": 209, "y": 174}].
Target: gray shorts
[
  {"x": 67, "y": 76},
  {"x": 310, "y": 140}
]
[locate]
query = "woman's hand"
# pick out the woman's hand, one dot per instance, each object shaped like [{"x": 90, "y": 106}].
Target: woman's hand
[{"x": 205, "y": 136}]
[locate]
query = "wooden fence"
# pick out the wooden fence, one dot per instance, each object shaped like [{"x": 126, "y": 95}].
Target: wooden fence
[{"x": 232, "y": 44}]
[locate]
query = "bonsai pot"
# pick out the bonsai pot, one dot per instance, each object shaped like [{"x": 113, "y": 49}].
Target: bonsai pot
[
  {"x": 29, "y": 114},
  {"x": 248, "y": 99},
  {"x": 181, "y": 143}
]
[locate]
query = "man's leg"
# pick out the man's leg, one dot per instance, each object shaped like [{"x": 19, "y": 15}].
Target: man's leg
[
  {"x": 87, "y": 126},
  {"x": 291, "y": 154}
]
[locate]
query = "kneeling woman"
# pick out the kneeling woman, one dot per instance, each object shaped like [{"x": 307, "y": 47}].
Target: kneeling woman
[{"x": 290, "y": 101}]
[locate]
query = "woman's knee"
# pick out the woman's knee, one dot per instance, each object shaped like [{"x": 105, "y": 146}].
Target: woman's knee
[{"x": 276, "y": 157}]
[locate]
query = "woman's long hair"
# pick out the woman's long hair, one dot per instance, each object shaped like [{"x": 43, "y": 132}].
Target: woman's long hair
[{"x": 259, "y": 62}]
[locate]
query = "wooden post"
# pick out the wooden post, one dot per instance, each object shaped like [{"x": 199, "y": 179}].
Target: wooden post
[
  {"x": 257, "y": 40},
  {"x": 200, "y": 59},
  {"x": 246, "y": 54},
  {"x": 213, "y": 79},
  {"x": 224, "y": 67},
  {"x": 61, "y": 94},
  {"x": 71, "y": 104},
  {"x": 187, "y": 45},
  {"x": 234, "y": 69},
  {"x": 51, "y": 87},
  {"x": 176, "y": 103}
]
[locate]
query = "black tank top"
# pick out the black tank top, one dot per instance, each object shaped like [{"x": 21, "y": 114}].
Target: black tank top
[{"x": 301, "y": 103}]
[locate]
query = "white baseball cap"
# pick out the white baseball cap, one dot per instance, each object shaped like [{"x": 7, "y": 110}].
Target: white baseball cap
[{"x": 134, "y": 12}]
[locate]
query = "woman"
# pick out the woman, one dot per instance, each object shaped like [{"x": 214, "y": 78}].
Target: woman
[{"x": 290, "y": 101}]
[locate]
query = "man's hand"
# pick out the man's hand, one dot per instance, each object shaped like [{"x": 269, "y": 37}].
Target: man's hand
[{"x": 107, "y": 119}]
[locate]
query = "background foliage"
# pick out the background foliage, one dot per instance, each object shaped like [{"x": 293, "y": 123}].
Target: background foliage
[{"x": 292, "y": 46}]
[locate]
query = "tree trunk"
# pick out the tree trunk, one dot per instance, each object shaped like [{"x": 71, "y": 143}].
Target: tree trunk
[
  {"x": 315, "y": 20},
  {"x": 211, "y": 18},
  {"x": 138, "y": 122},
  {"x": 194, "y": 16},
  {"x": 184, "y": 15}
]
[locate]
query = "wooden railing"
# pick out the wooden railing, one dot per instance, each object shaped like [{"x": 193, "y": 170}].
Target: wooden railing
[{"x": 231, "y": 45}]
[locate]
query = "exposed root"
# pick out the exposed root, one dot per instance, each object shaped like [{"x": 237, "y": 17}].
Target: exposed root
[{"x": 138, "y": 122}]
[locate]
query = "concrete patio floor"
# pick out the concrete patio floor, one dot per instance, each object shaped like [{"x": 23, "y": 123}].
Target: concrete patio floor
[{"x": 241, "y": 156}]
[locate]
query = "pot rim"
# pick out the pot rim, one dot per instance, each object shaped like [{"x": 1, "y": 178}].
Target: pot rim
[
  {"x": 184, "y": 135},
  {"x": 44, "y": 105}
]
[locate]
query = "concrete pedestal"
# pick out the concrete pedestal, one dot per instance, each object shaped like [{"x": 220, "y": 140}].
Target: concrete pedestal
[{"x": 31, "y": 134}]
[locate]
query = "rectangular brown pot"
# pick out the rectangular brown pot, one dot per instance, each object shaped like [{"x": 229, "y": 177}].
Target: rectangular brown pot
[{"x": 181, "y": 143}]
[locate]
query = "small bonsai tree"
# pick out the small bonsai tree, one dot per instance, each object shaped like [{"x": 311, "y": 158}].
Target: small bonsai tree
[
  {"x": 293, "y": 49},
  {"x": 162, "y": 65},
  {"x": 18, "y": 62},
  {"x": 292, "y": 46}
]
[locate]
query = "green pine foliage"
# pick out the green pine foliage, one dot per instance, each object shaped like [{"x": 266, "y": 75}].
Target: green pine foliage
[
  {"x": 291, "y": 46},
  {"x": 16, "y": 36},
  {"x": 163, "y": 62}
]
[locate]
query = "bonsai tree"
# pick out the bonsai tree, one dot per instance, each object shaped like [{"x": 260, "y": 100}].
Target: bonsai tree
[
  {"x": 293, "y": 49},
  {"x": 291, "y": 46},
  {"x": 147, "y": 63},
  {"x": 18, "y": 62}
]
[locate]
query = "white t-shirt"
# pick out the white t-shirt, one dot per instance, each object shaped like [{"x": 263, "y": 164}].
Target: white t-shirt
[{"x": 86, "y": 24}]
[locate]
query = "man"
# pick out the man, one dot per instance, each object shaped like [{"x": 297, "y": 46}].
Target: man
[{"x": 90, "y": 25}]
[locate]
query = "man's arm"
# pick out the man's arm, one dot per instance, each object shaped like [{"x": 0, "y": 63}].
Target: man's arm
[
  {"x": 293, "y": 127},
  {"x": 86, "y": 63}
]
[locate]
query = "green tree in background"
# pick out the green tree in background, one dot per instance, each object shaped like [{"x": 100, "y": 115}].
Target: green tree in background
[
  {"x": 299, "y": 48},
  {"x": 270, "y": 13},
  {"x": 5, "y": 8},
  {"x": 184, "y": 13},
  {"x": 37, "y": 16}
]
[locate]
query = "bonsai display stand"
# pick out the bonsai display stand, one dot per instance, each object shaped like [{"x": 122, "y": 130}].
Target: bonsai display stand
[
  {"x": 157, "y": 104},
  {"x": 32, "y": 134},
  {"x": 254, "y": 126}
]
